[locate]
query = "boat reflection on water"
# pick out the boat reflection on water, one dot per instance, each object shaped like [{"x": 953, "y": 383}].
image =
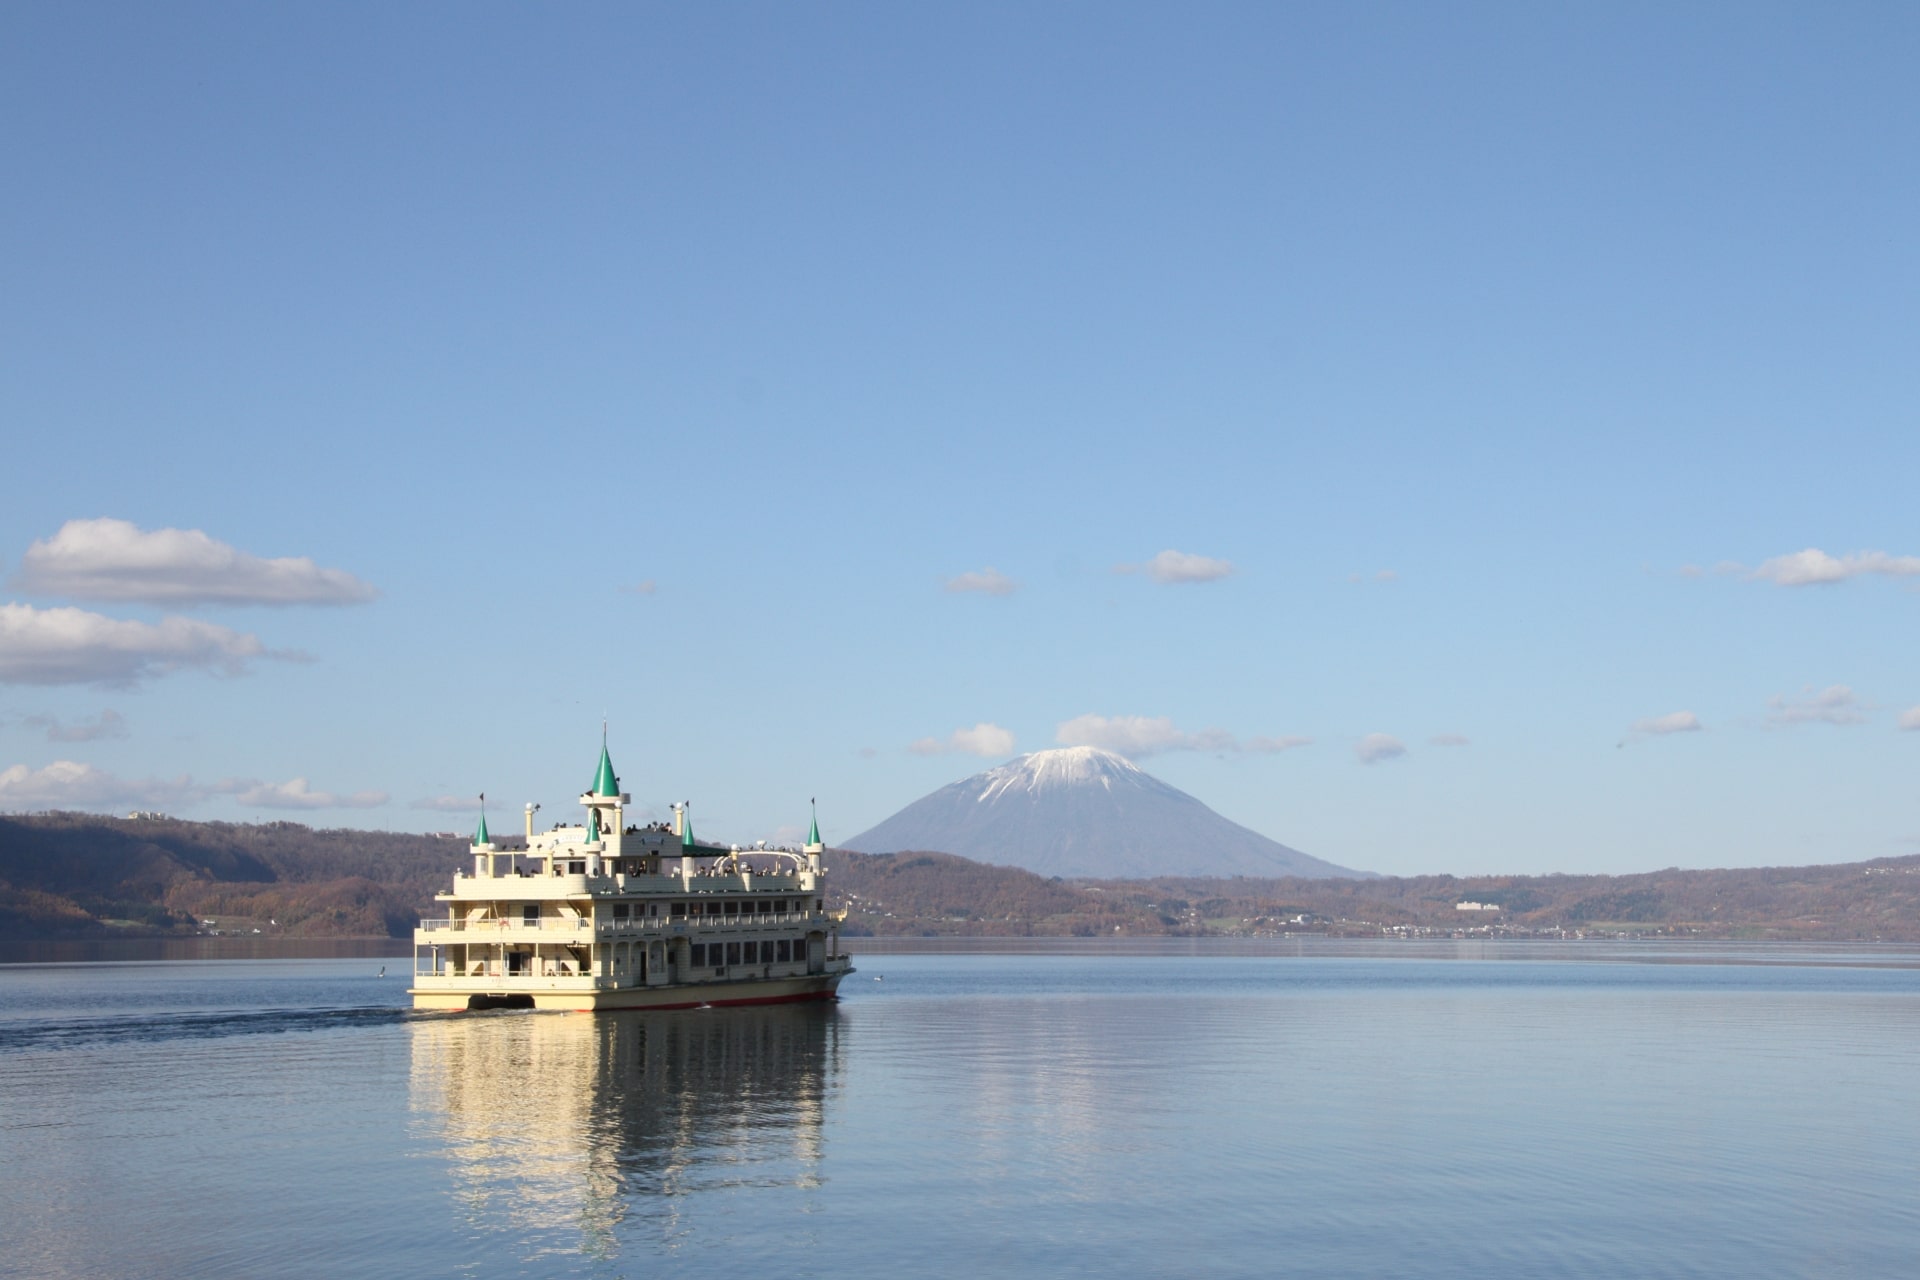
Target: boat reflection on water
[{"x": 611, "y": 1125}]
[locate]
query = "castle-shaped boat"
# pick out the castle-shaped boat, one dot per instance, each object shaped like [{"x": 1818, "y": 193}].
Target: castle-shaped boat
[{"x": 603, "y": 915}]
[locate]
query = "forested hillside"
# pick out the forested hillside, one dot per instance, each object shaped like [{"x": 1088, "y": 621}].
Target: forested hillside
[
  {"x": 81, "y": 875},
  {"x": 918, "y": 893},
  {"x": 73, "y": 875}
]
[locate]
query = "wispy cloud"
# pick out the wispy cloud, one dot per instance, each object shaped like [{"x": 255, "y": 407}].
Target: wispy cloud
[
  {"x": 983, "y": 739},
  {"x": 987, "y": 582},
  {"x": 1910, "y": 718},
  {"x": 108, "y": 724},
  {"x": 1661, "y": 726},
  {"x": 110, "y": 559},
  {"x": 448, "y": 804},
  {"x": 73, "y": 646},
  {"x": 1835, "y": 704},
  {"x": 1814, "y": 567},
  {"x": 296, "y": 794},
  {"x": 68, "y": 784},
  {"x": 1173, "y": 567},
  {"x": 1449, "y": 740},
  {"x": 1271, "y": 746},
  {"x": 645, "y": 587},
  {"x": 1377, "y": 747},
  {"x": 1137, "y": 737}
]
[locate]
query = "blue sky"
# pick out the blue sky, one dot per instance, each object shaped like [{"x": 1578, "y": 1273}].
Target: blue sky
[{"x": 1443, "y": 438}]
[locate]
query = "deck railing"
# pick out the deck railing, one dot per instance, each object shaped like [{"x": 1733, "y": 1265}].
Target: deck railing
[{"x": 631, "y": 924}]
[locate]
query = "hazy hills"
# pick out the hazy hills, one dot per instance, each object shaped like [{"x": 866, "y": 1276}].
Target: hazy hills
[
  {"x": 83, "y": 875},
  {"x": 1081, "y": 811}
]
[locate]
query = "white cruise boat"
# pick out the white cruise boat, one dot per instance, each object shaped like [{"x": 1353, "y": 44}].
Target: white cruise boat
[{"x": 609, "y": 916}]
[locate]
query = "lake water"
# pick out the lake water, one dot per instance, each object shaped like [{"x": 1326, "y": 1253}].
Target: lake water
[{"x": 1326, "y": 1111}]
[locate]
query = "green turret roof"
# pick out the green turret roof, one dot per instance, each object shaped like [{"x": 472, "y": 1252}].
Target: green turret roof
[
  {"x": 480, "y": 832},
  {"x": 814, "y": 836},
  {"x": 604, "y": 782},
  {"x": 686, "y": 827},
  {"x": 593, "y": 826}
]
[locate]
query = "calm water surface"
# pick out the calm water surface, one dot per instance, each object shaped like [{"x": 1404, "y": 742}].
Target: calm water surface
[{"x": 1359, "y": 1111}]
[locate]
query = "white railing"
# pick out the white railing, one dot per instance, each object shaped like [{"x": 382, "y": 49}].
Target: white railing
[
  {"x": 547, "y": 924},
  {"x": 631, "y": 924}
]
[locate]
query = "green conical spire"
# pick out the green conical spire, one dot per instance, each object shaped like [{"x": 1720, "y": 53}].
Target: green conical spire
[
  {"x": 604, "y": 782},
  {"x": 814, "y": 836},
  {"x": 480, "y": 832},
  {"x": 593, "y": 827},
  {"x": 686, "y": 826}
]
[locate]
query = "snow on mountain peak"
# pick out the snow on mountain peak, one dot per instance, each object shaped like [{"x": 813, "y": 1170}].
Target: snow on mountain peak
[{"x": 1059, "y": 767}]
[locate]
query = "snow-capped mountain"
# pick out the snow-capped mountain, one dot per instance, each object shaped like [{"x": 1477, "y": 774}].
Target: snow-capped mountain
[{"x": 1081, "y": 811}]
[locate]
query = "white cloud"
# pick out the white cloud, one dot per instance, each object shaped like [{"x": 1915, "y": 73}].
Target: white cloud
[
  {"x": 1910, "y": 718},
  {"x": 1672, "y": 722},
  {"x": 1814, "y": 567},
  {"x": 110, "y": 559},
  {"x": 1376, "y": 747},
  {"x": 1448, "y": 740},
  {"x": 982, "y": 740},
  {"x": 73, "y": 646},
  {"x": 1171, "y": 567},
  {"x": 295, "y": 794},
  {"x": 988, "y": 581},
  {"x": 645, "y": 587},
  {"x": 1835, "y": 704},
  {"x": 1139, "y": 736},
  {"x": 67, "y": 784}
]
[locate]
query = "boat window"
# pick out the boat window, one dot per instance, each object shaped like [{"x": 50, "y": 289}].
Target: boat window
[
  {"x": 699, "y": 955},
  {"x": 619, "y": 911},
  {"x": 713, "y": 908},
  {"x": 530, "y": 913},
  {"x": 783, "y": 951},
  {"x": 679, "y": 908},
  {"x": 733, "y": 953}
]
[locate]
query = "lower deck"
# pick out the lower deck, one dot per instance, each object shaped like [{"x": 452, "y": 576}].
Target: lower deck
[{"x": 584, "y": 994}]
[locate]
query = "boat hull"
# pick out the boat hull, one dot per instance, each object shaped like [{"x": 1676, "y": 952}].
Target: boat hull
[{"x": 692, "y": 995}]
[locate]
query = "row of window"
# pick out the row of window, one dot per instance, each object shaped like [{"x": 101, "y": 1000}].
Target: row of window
[
  {"x": 769, "y": 951},
  {"x": 731, "y": 907}
]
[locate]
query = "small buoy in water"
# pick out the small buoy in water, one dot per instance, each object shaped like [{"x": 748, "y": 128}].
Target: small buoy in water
[
  {"x": 879, "y": 977},
  {"x": 383, "y": 971}
]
